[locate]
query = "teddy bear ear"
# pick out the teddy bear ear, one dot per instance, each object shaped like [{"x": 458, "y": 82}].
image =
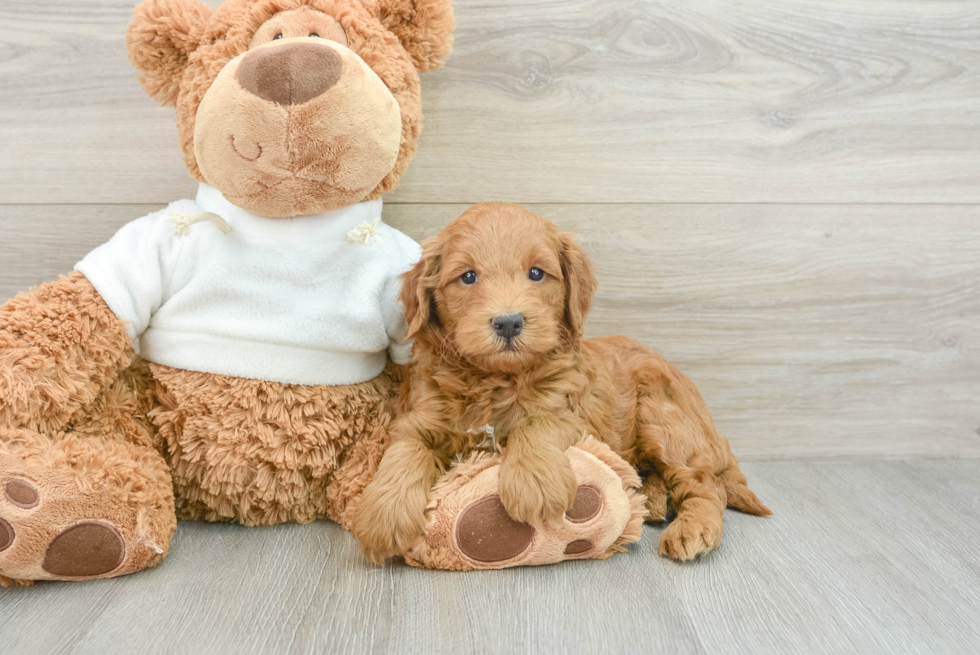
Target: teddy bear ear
[
  {"x": 425, "y": 28},
  {"x": 159, "y": 39}
]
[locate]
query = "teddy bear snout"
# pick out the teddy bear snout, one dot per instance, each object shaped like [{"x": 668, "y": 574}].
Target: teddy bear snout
[{"x": 292, "y": 73}]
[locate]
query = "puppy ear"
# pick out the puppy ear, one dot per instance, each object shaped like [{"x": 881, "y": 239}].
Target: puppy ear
[
  {"x": 580, "y": 283},
  {"x": 159, "y": 39},
  {"x": 418, "y": 288},
  {"x": 425, "y": 28}
]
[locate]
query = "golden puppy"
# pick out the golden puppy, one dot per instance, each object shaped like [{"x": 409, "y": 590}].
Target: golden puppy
[{"x": 496, "y": 307}]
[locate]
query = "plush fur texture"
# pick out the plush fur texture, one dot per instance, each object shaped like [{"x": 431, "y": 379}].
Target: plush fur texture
[
  {"x": 118, "y": 451},
  {"x": 180, "y": 47},
  {"x": 261, "y": 453},
  {"x": 115, "y": 449},
  {"x": 75, "y": 428},
  {"x": 59, "y": 347},
  {"x": 286, "y": 159},
  {"x": 618, "y": 522},
  {"x": 542, "y": 390},
  {"x": 424, "y": 28},
  {"x": 101, "y": 452}
]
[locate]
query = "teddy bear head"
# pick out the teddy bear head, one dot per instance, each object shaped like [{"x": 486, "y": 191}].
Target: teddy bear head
[{"x": 292, "y": 107}]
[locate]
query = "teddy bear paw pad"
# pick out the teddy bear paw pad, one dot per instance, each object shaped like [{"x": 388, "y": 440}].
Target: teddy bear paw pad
[
  {"x": 485, "y": 533},
  {"x": 578, "y": 547},
  {"x": 6, "y": 535},
  {"x": 21, "y": 494},
  {"x": 85, "y": 549},
  {"x": 588, "y": 503}
]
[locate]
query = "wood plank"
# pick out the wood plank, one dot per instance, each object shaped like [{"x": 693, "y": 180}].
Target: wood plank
[
  {"x": 812, "y": 331},
  {"x": 577, "y": 101},
  {"x": 40, "y": 242},
  {"x": 859, "y": 559},
  {"x": 862, "y": 557}
]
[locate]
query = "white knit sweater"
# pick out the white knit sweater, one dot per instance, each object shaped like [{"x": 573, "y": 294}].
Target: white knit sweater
[{"x": 306, "y": 300}]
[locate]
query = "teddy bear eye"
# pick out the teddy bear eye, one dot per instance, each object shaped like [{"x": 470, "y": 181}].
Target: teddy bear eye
[
  {"x": 277, "y": 36},
  {"x": 469, "y": 277},
  {"x": 314, "y": 35},
  {"x": 535, "y": 274}
]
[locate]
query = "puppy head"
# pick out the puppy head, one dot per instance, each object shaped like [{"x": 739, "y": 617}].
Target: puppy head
[{"x": 500, "y": 287}]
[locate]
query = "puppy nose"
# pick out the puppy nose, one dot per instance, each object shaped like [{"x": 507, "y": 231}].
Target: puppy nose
[
  {"x": 290, "y": 74},
  {"x": 508, "y": 326}
]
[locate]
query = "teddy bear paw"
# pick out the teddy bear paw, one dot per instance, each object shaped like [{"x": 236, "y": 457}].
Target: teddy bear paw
[
  {"x": 468, "y": 527},
  {"x": 57, "y": 525}
]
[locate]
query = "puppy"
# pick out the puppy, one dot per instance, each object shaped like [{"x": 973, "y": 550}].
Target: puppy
[{"x": 496, "y": 307}]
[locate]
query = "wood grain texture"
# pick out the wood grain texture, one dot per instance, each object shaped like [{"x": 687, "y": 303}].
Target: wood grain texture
[
  {"x": 860, "y": 557},
  {"x": 843, "y": 323},
  {"x": 571, "y": 101},
  {"x": 812, "y": 331}
]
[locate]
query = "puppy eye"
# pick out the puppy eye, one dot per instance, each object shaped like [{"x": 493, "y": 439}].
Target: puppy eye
[
  {"x": 277, "y": 36},
  {"x": 314, "y": 35},
  {"x": 535, "y": 274},
  {"x": 469, "y": 277}
]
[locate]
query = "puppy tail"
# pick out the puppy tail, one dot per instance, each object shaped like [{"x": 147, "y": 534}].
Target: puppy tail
[{"x": 740, "y": 497}]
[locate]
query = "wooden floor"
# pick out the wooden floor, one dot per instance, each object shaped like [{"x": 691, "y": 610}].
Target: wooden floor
[
  {"x": 781, "y": 197},
  {"x": 860, "y": 557}
]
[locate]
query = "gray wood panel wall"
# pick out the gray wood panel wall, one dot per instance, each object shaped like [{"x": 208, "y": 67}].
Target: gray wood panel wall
[{"x": 783, "y": 198}]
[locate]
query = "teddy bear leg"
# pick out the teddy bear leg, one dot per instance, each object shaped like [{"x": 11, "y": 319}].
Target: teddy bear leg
[
  {"x": 468, "y": 529},
  {"x": 91, "y": 500},
  {"x": 357, "y": 471},
  {"x": 262, "y": 453}
]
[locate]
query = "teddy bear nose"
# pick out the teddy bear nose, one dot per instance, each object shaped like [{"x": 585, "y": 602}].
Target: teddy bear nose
[{"x": 290, "y": 74}]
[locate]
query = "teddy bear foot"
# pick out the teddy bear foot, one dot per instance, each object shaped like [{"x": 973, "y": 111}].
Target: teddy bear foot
[
  {"x": 468, "y": 528},
  {"x": 58, "y": 523}
]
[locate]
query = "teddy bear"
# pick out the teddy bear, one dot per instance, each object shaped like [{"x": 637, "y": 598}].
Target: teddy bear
[{"x": 236, "y": 357}]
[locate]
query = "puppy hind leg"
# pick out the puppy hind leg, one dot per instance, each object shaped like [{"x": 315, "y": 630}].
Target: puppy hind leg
[
  {"x": 672, "y": 446},
  {"x": 739, "y": 496},
  {"x": 657, "y": 495},
  {"x": 700, "y": 503}
]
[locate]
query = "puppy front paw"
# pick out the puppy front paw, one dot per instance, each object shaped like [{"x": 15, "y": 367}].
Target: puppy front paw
[
  {"x": 686, "y": 539},
  {"x": 539, "y": 492},
  {"x": 388, "y": 524}
]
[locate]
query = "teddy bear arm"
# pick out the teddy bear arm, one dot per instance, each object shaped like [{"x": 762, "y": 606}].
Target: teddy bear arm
[{"x": 60, "y": 345}]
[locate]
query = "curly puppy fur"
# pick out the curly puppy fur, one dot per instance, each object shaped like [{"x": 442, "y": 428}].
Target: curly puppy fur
[{"x": 542, "y": 390}]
